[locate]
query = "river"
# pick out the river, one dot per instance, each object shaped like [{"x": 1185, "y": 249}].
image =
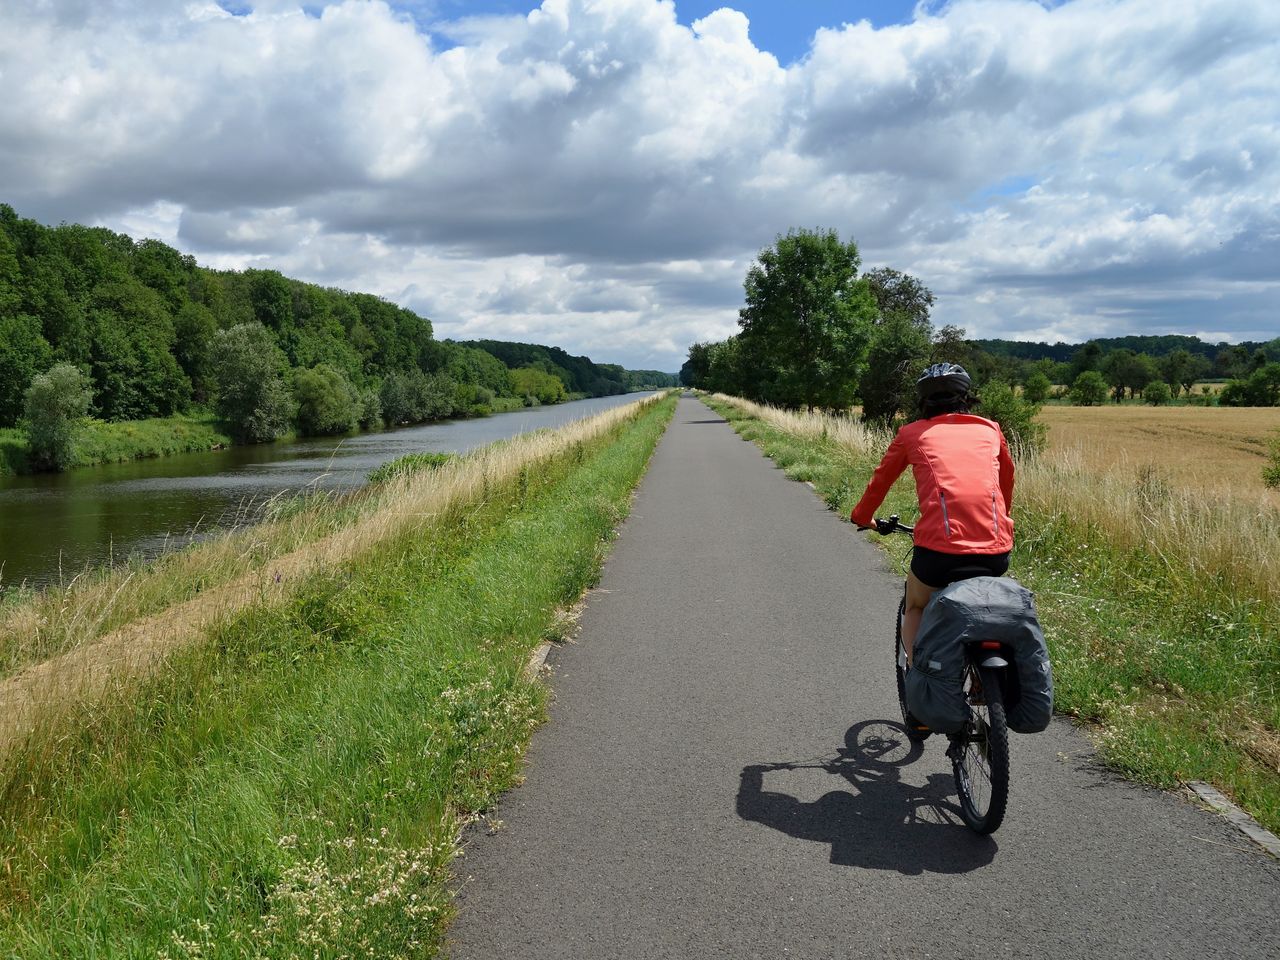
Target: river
[{"x": 53, "y": 526}]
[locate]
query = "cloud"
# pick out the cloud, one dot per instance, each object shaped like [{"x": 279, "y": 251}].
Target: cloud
[{"x": 597, "y": 174}]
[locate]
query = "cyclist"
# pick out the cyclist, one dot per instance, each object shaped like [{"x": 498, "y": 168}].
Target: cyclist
[{"x": 964, "y": 482}]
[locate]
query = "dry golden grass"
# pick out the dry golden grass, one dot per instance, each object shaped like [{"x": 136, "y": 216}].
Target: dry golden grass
[
  {"x": 1149, "y": 478},
  {"x": 849, "y": 432},
  {"x": 1200, "y": 447}
]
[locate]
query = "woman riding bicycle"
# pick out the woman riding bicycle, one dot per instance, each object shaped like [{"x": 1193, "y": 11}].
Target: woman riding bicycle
[{"x": 964, "y": 482}]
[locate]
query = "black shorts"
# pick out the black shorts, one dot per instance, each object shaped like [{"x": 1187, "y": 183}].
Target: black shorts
[{"x": 935, "y": 569}]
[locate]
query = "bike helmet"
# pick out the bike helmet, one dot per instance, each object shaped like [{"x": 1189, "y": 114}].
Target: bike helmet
[{"x": 942, "y": 380}]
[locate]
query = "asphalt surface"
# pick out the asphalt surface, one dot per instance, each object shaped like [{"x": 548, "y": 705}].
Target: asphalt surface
[{"x": 723, "y": 774}]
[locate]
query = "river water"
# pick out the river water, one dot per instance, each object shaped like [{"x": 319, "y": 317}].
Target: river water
[{"x": 52, "y": 526}]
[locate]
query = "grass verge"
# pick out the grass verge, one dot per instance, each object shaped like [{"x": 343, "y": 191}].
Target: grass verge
[
  {"x": 294, "y": 785},
  {"x": 1161, "y": 606}
]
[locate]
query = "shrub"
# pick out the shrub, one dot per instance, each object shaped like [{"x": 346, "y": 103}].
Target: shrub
[
  {"x": 1271, "y": 472},
  {"x": 1036, "y": 389},
  {"x": 1017, "y": 417},
  {"x": 327, "y": 403},
  {"x": 1089, "y": 389},
  {"x": 1157, "y": 393},
  {"x": 252, "y": 397},
  {"x": 409, "y": 463},
  {"x": 56, "y": 405}
]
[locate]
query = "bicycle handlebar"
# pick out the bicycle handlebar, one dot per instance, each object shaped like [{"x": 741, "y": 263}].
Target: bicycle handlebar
[{"x": 892, "y": 525}]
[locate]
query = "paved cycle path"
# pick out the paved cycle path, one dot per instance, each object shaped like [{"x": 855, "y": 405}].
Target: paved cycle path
[{"x": 722, "y": 775}]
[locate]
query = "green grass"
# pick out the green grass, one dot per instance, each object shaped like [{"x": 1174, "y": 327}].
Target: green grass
[
  {"x": 102, "y": 442},
  {"x": 1176, "y": 671},
  {"x": 295, "y": 787}
]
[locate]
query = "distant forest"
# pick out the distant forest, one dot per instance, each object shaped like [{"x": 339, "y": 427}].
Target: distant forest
[
  {"x": 1154, "y": 346},
  {"x": 154, "y": 334}
]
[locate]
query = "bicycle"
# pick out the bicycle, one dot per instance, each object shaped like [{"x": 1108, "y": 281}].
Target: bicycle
[{"x": 979, "y": 752}]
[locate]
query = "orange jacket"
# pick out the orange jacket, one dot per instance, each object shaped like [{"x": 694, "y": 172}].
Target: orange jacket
[{"x": 964, "y": 481}]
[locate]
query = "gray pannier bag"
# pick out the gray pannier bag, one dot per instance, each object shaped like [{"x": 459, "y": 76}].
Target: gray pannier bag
[{"x": 981, "y": 608}]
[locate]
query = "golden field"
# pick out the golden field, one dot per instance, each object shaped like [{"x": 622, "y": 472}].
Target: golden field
[{"x": 1204, "y": 447}]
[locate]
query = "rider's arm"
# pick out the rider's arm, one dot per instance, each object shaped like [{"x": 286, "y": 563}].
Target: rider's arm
[
  {"x": 1006, "y": 474},
  {"x": 891, "y": 467}
]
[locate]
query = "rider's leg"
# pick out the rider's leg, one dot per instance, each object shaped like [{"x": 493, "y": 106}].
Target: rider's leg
[{"x": 918, "y": 595}]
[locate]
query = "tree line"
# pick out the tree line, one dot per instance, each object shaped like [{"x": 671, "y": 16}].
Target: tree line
[
  {"x": 814, "y": 332},
  {"x": 125, "y": 330}
]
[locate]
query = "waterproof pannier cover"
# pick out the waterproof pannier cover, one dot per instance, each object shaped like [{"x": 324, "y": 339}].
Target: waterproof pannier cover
[{"x": 981, "y": 608}]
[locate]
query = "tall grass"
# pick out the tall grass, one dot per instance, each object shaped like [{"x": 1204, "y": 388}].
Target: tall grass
[
  {"x": 1161, "y": 602},
  {"x": 292, "y": 783},
  {"x": 186, "y": 591}
]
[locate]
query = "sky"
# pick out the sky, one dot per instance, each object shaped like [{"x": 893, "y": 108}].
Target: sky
[{"x": 600, "y": 174}]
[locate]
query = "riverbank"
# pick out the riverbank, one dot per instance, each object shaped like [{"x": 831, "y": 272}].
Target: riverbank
[
  {"x": 296, "y": 775},
  {"x": 1161, "y": 604},
  {"x": 100, "y": 441}
]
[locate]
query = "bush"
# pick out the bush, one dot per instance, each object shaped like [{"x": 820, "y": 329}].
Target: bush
[
  {"x": 1271, "y": 472},
  {"x": 1017, "y": 417},
  {"x": 327, "y": 403},
  {"x": 1036, "y": 389},
  {"x": 1157, "y": 393},
  {"x": 1089, "y": 389},
  {"x": 409, "y": 463},
  {"x": 56, "y": 405},
  {"x": 1261, "y": 389},
  {"x": 252, "y": 397}
]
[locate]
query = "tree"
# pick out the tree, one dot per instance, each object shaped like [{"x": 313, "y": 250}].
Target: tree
[
  {"x": 697, "y": 368},
  {"x": 252, "y": 398},
  {"x": 900, "y": 294},
  {"x": 56, "y": 405},
  {"x": 327, "y": 403},
  {"x": 1157, "y": 393},
  {"x": 1036, "y": 388},
  {"x": 24, "y": 352},
  {"x": 1088, "y": 357},
  {"x": 535, "y": 383},
  {"x": 1260, "y": 389},
  {"x": 1126, "y": 370},
  {"x": 899, "y": 350},
  {"x": 807, "y": 321},
  {"x": 1089, "y": 389}
]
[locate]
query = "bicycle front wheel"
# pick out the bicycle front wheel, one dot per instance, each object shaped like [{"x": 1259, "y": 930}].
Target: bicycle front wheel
[{"x": 980, "y": 754}]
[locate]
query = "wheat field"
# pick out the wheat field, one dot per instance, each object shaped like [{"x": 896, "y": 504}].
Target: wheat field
[{"x": 1201, "y": 447}]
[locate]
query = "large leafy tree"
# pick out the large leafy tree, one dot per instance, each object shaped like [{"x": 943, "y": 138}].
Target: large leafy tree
[
  {"x": 252, "y": 397},
  {"x": 900, "y": 343},
  {"x": 807, "y": 321},
  {"x": 56, "y": 405}
]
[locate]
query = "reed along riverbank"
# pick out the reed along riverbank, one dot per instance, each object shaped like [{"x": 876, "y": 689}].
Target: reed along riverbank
[
  {"x": 286, "y": 774},
  {"x": 1161, "y": 603}
]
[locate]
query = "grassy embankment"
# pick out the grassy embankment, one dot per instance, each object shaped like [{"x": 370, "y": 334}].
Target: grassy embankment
[
  {"x": 1161, "y": 603},
  {"x": 292, "y": 782},
  {"x": 102, "y": 442}
]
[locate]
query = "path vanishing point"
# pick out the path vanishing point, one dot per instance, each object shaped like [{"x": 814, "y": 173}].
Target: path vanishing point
[{"x": 723, "y": 775}]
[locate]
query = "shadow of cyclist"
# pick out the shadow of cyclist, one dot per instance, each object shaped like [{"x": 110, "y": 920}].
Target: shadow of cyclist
[{"x": 883, "y": 823}]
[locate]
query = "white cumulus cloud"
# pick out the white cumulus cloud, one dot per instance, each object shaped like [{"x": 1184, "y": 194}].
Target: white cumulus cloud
[{"x": 599, "y": 176}]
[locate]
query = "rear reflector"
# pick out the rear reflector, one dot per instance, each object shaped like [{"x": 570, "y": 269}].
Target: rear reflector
[{"x": 990, "y": 645}]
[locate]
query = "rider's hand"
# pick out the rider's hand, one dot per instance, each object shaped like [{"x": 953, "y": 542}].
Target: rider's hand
[{"x": 885, "y": 527}]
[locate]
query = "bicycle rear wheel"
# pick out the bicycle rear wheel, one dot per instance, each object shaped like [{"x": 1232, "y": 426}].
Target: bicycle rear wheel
[
  {"x": 914, "y": 730},
  {"x": 980, "y": 754}
]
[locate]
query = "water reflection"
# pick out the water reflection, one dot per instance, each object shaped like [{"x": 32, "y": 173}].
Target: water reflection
[{"x": 51, "y": 526}]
